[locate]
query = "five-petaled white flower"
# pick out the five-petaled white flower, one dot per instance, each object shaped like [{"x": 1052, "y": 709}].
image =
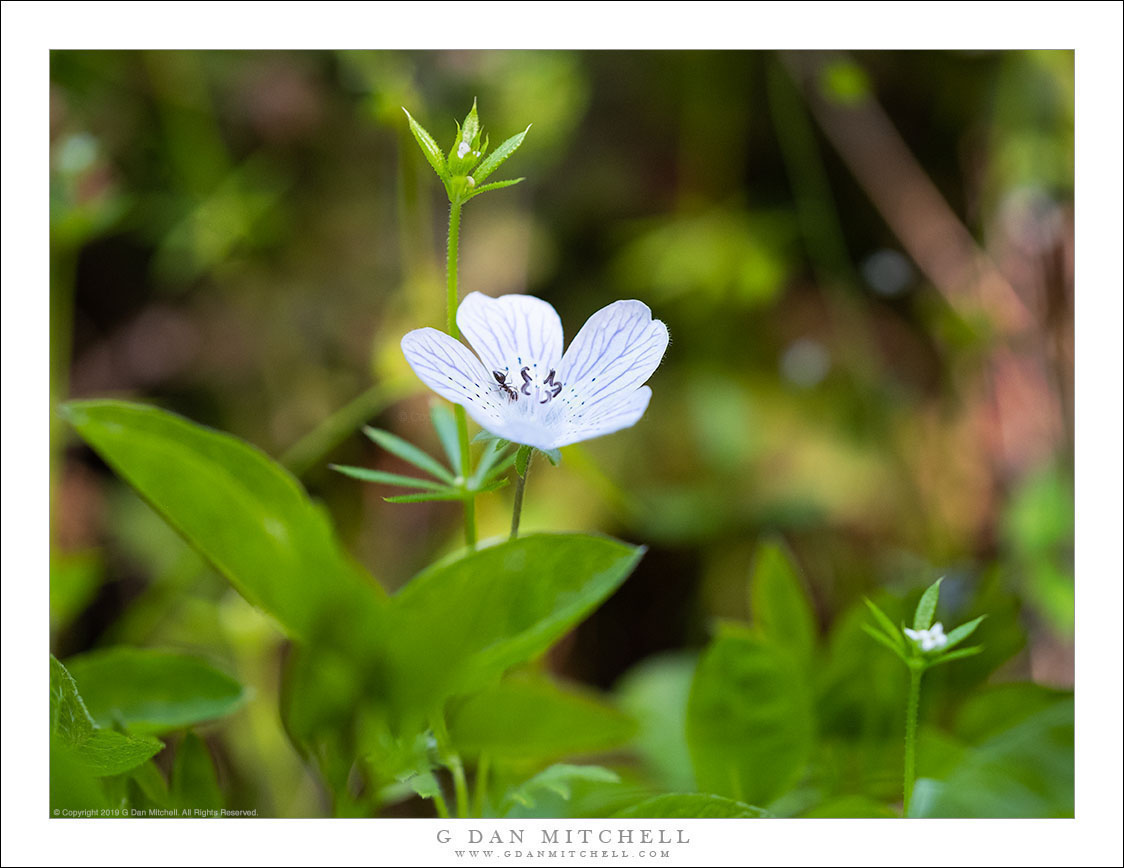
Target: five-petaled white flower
[
  {"x": 522, "y": 388},
  {"x": 929, "y": 640}
]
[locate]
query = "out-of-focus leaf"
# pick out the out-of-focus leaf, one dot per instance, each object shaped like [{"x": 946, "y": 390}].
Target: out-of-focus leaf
[
  {"x": 749, "y": 720},
  {"x": 655, "y": 693},
  {"x": 242, "y": 511},
  {"x": 195, "y": 785},
  {"x": 445, "y": 424},
  {"x": 558, "y": 779},
  {"x": 367, "y": 475},
  {"x": 682, "y": 806},
  {"x": 848, "y": 807},
  {"x": 75, "y": 578},
  {"x": 997, "y": 708},
  {"x": 927, "y": 607},
  {"x": 153, "y": 691},
  {"x": 778, "y": 603},
  {"x": 72, "y": 786},
  {"x": 532, "y": 718},
  {"x": 959, "y": 634},
  {"x": 462, "y": 622},
  {"x": 1024, "y": 771}
]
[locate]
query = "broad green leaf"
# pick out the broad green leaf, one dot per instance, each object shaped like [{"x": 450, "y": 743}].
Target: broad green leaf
[
  {"x": 533, "y": 718},
  {"x": 72, "y": 786},
  {"x": 749, "y": 720},
  {"x": 494, "y": 160},
  {"x": 927, "y": 607},
  {"x": 425, "y": 785},
  {"x": 558, "y": 779},
  {"x": 428, "y": 146},
  {"x": 410, "y": 453},
  {"x": 464, "y": 621},
  {"x": 778, "y": 603},
  {"x": 367, "y": 475},
  {"x": 1000, "y": 707},
  {"x": 955, "y": 637},
  {"x": 153, "y": 691},
  {"x": 655, "y": 693},
  {"x": 242, "y": 511},
  {"x": 195, "y": 784},
  {"x": 684, "y": 806},
  {"x": 1024, "y": 771}
]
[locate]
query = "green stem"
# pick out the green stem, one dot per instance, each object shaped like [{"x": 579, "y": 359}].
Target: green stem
[
  {"x": 912, "y": 704},
  {"x": 482, "y": 768},
  {"x": 452, "y": 761},
  {"x": 442, "y": 808},
  {"x": 520, "y": 484},
  {"x": 451, "y": 301}
]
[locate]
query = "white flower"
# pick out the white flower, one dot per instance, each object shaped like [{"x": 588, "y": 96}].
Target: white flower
[
  {"x": 930, "y": 639},
  {"x": 522, "y": 388}
]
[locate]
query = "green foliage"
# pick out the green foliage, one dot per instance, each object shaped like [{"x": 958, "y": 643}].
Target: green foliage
[
  {"x": 244, "y": 513},
  {"x": 749, "y": 720},
  {"x": 531, "y": 718},
  {"x": 88, "y": 748},
  {"x": 778, "y": 603},
  {"x": 195, "y": 784},
  {"x": 676, "y": 806},
  {"x": 558, "y": 779},
  {"x": 927, "y": 607},
  {"x": 463, "y": 622},
  {"x": 153, "y": 691},
  {"x": 1022, "y": 771},
  {"x": 655, "y": 693}
]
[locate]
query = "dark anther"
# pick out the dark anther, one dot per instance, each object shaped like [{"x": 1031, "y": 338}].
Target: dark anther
[{"x": 526, "y": 381}]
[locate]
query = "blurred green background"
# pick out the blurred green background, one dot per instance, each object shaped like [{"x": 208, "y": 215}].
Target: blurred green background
[{"x": 865, "y": 262}]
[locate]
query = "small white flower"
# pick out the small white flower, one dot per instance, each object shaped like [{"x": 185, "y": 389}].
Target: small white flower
[
  {"x": 522, "y": 388},
  {"x": 462, "y": 149},
  {"x": 929, "y": 640}
]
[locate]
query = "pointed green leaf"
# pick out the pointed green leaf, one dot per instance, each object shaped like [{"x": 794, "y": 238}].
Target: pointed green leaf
[
  {"x": 927, "y": 606},
  {"x": 959, "y": 654},
  {"x": 558, "y": 779},
  {"x": 498, "y": 185},
  {"x": 749, "y": 720},
  {"x": 367, "y": 475},
  {"x": 426, "y": 496},
  {"x": 424, "y": 784},
  {"x": 410, "y": 453},
  {"x": 530, "y": 717},
  {"x": 494, "y": 160},
  {"x": 445, "y": 424},
  {"x": 955, "y": 637},
  {"x": 893, "y": 633},
  {"x": 464, "y": 621},
  {"x": 492, "y": 453},
  {"x": 153, "y": 691},
  {"x": 684, "y": 806},
  {"x": 778, "y": 603},
  {"x": 882, "y": 639},
  {"x": 195, "y": 784},
  {"x": 470, "y": 129},
  {"x": 429, "y": 147},
  {"x": 242, "y": 511}
]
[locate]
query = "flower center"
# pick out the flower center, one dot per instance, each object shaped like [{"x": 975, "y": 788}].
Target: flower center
[{"x": 534, "y": 388}]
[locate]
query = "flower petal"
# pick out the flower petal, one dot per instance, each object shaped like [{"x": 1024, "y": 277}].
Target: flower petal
[
  {"x": 613, "y": 417},
  {"x": 450, "y": 369},
  {"x": 615, "y": 352},
  {"x": 512, "y": 331}
]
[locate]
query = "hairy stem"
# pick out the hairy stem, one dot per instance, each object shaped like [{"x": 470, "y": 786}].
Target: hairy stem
[
  {"x": 912, "y": 704},
  {"x": 451, "y": 301},
  {"x": 520, "y": 484}
]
